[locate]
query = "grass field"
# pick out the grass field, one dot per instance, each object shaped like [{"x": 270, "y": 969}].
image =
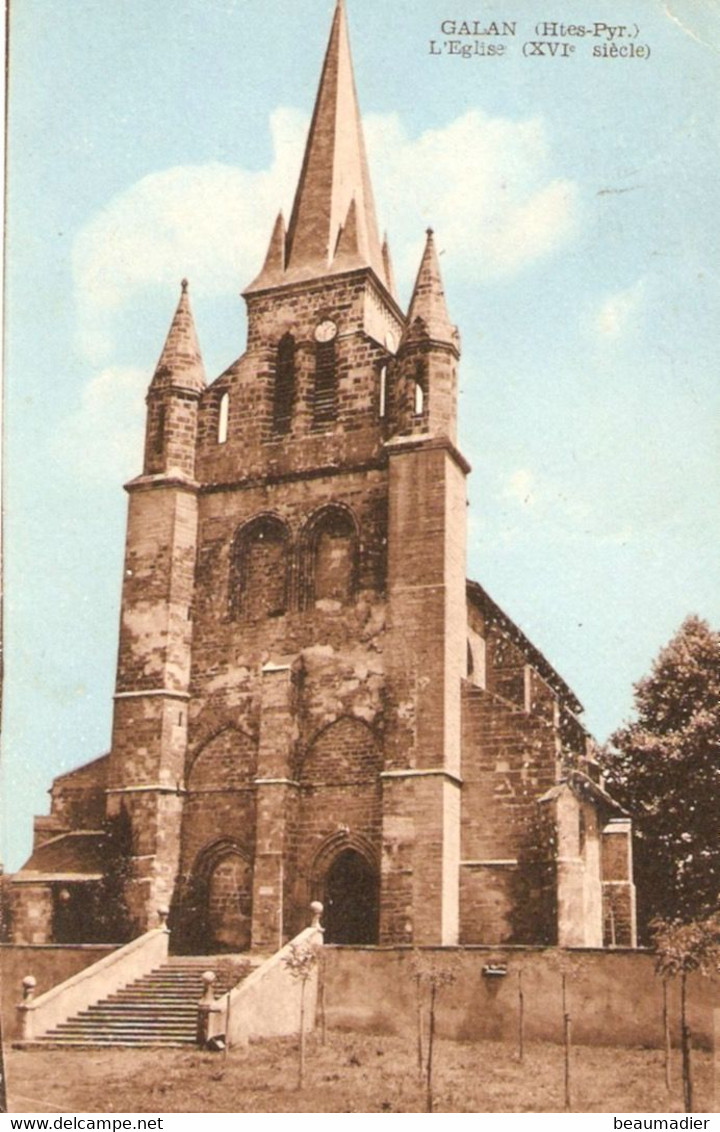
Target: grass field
[{"x": 350, "y": 1073}]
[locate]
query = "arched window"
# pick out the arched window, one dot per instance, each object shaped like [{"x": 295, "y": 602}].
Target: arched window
[
  {"x": 284, "y": 389},
  {"x": 331, "y": 557},
  {"x": 325, "y": 391},
  {"x": 382, "y": 403},
  {"x": 258, "y": 572},
  {"x": 223, "y": 416}
]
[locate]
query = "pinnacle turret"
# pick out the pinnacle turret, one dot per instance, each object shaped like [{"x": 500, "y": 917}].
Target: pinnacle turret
[
  {"x": 387, "y": 264},
  {"x": 428, "y": 298},
  {"x": 180, "y": 362},
  {"x": 332, "y": 226}
]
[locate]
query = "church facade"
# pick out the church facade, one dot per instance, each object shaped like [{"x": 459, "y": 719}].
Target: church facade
[{"x": 312, "y": 700}]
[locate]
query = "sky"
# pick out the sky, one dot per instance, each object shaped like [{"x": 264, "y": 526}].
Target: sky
[{"x": 574, "y": 201}]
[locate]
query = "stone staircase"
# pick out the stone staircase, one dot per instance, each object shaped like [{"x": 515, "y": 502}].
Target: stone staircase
[{"x": 159, "y": 1009}]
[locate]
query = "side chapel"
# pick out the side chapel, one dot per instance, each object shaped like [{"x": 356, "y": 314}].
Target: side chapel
[{"x": 312, "y": 700}]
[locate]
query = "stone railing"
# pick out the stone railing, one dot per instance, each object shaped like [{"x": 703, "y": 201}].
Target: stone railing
[
  {"x": 272, "y": 999},
  {"x": 137, "y": 958}
]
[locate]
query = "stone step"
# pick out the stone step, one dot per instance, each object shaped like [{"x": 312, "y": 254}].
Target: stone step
[
  {"x": 127, "y": 1032},
  {"x": 141, "y": 1013},
  {"x": 118, "y": 1043},
  {"x": 158, "y": 1009},
  {"x": 132, "y": 1028}
]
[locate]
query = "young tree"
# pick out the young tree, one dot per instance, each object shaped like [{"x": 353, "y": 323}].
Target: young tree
[
  {"x": 301, "y": 961},
  {"x": 432, "y": 977},
  {"x": 665, "y": 769},
  {"x": 682, "y": 949}
]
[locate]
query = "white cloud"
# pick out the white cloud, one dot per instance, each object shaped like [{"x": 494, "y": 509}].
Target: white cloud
[
  {"x": 616, "y": 312},
  {"x": 209, "y": 222},
  {"x": 103, "y": 438},
  {"x": 543, "y": 506},
  {"x": 521, "y": 487},
  {"x": 484, "y": 183}
]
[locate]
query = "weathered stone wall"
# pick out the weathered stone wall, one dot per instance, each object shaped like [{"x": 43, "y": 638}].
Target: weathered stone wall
[
  {"x": 614, "y": 997},
  {"x": 155, "y": 630},
  {"x": 340, "y": 789},
  {"x": 171, "y": 431},
  {"x": 254, "y": 447},
  {"x": 509, "y": 761},
  {"x": 328, "y": 622},
  {"x": 31, "y": 913},
  {"x": 49, "y": 965},
  {"x": 427, "y": 659},
  {"x": 77, "y": 800},
  {"x": 619, "y": 911}
]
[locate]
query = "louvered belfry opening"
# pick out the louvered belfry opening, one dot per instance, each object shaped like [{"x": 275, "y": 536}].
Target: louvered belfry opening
[
  {"x": 325, "y": 392},
  {"x": 284, "y": 392}
]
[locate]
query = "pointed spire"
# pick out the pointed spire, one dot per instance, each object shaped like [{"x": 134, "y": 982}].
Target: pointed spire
[
  {"x": 334, "y": 174},
  {"x": 180, "y": 362},
  {"x": 428, "y": 298}
]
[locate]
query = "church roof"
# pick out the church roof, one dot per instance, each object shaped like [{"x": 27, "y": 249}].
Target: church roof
[
  {"x": 332, "y": 226},
  {"x": 482, "y": 600},
  {"x": 71, "y": 856},
  {"x": 180, "y": 363},
  {"x": 583, "y": 787},
  {"x": 93, "y": 772}
]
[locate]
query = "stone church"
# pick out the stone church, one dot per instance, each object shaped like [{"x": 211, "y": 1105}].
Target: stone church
[{"x": 312, "y": 700}]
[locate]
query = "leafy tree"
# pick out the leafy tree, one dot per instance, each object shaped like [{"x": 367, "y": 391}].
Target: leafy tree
[{"x": 665, "y": 770}]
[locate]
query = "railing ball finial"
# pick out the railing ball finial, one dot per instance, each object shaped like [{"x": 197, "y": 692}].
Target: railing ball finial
[
  {"x": 28, "y": 986},
  {"x": 163, "y": 914},
  {"x": 317, "y": 910}
]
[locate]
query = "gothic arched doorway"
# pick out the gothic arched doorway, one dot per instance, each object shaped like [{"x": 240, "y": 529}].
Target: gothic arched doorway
[
  {"x": 351, "y": 899},
  {"x": 229, "y": 904},
  {"x": 215, "y": 912}
]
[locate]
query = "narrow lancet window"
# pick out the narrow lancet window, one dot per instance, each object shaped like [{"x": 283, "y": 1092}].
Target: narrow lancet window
[
  {"x": 223, "y": 416},
  {"x": 419, "y": 399},
  {"x": 159, "y": 438},
  {"x": 382, "y": 404},
  {"x": 284, "y": 391}
]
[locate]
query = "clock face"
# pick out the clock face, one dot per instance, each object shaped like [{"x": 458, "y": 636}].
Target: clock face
[{"x": 326, "y": 330}]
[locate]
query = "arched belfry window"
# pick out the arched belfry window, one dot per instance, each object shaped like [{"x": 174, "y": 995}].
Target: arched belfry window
[
  {"x": 259, "y": 570},
  {"x": 325, "y": 390},
  {"x": 223, "y": 418},
  {"x": 284, "y": 388},
  {"x": 330, "y": 554}
]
